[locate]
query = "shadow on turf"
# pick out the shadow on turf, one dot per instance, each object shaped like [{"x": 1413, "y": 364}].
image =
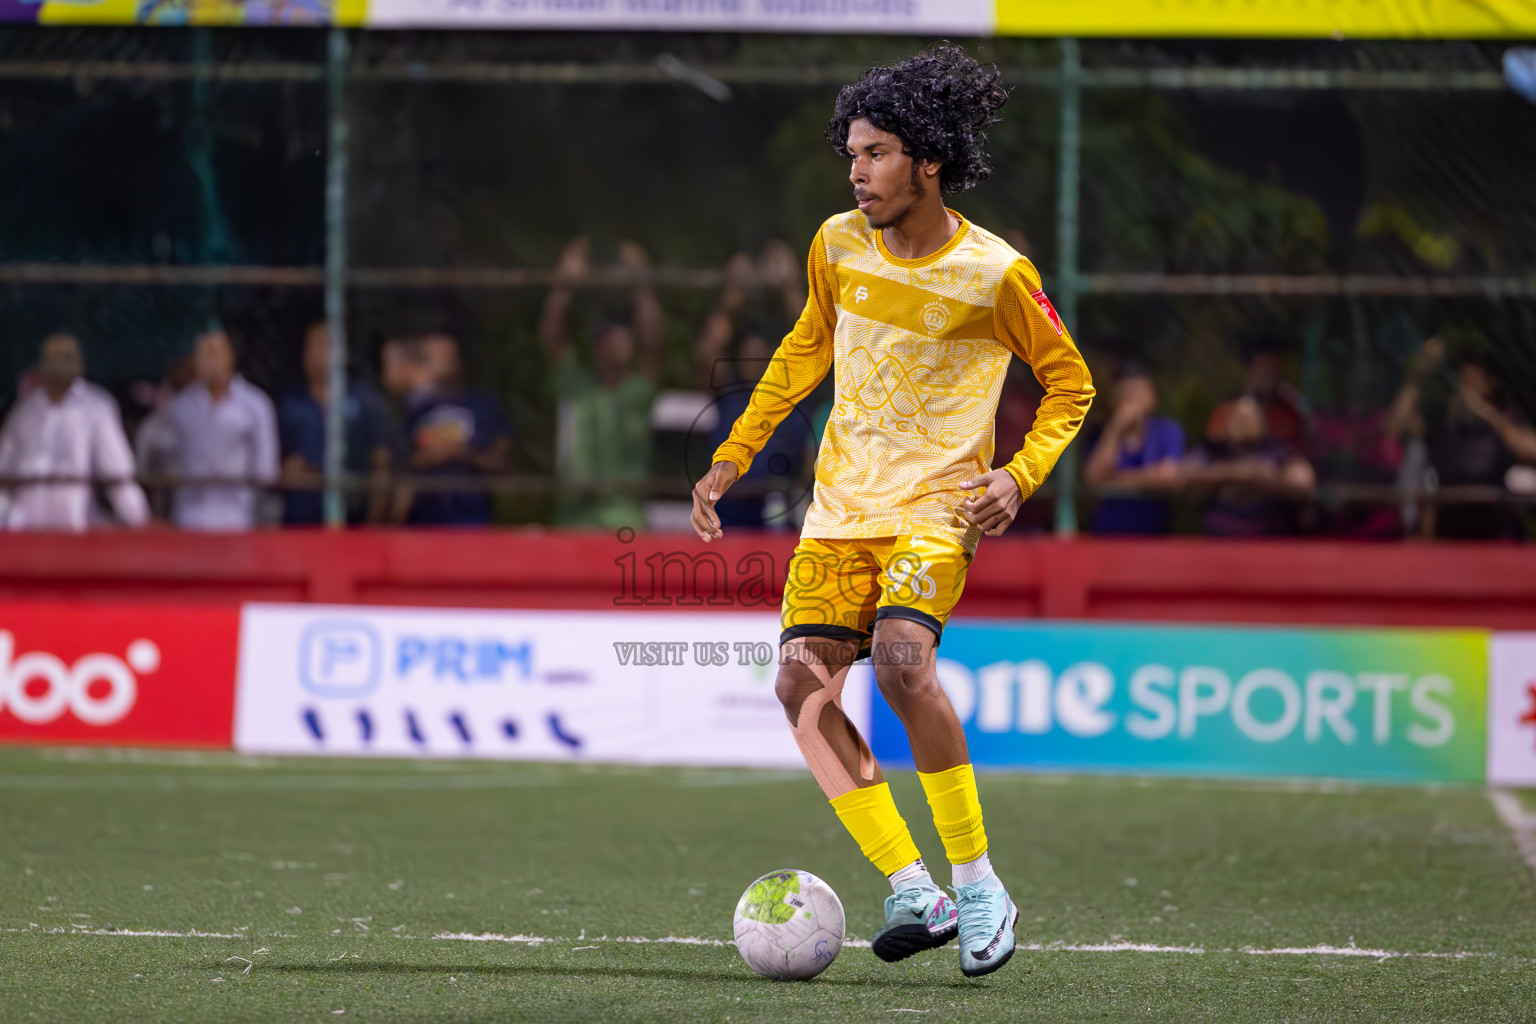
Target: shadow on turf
[{"x": 380, "y": 967}]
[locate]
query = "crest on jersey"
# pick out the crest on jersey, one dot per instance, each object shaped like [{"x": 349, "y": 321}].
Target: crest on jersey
[
  {"x": 936, "y": 317},
  {"x": 1046, "y": 308}
]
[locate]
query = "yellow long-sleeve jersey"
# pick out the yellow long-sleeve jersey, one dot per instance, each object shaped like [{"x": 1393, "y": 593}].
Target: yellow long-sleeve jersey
[{"x": 920, "y": 349}]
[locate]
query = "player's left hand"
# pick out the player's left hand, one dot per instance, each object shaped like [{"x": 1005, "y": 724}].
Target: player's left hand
[{"x": 994, "y": 509}]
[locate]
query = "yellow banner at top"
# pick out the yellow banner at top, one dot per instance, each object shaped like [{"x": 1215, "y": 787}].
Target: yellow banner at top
[
  {"x": 1347, "y": 19},
  {"x": 1360, "y": 19}
]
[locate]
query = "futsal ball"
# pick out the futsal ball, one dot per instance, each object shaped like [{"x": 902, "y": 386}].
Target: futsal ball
[{"x": 789, "y": 925}]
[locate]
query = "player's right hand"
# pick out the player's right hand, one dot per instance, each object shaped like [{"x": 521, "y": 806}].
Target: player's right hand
[{"x": 705, "y": 493}]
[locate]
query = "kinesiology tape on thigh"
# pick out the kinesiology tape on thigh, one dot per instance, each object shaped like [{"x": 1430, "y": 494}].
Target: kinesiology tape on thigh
[{"x": 826, "y": 767}]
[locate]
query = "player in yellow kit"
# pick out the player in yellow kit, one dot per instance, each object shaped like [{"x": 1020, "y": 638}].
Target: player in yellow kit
[{"x": 917, "y": 312}]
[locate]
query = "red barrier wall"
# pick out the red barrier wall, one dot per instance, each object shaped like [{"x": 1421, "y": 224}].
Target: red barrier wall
[{"x": 1487, "y": 585}]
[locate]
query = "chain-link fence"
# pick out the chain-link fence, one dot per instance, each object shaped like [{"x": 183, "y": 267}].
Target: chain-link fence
[{"x": 1192, "y": 206}]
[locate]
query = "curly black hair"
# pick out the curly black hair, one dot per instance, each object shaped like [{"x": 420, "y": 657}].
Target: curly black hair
[{"x": 938, "y": 102}]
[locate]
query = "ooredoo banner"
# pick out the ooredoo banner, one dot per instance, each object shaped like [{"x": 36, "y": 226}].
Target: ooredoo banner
[
  {"x": 117, "y": 675},
  {"x": 1387, "y": 704},
  {"x": 628, "y": 687}
]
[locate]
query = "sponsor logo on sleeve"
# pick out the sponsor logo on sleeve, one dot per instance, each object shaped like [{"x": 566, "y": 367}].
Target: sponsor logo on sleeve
[{"x": 1049, "y": 310}]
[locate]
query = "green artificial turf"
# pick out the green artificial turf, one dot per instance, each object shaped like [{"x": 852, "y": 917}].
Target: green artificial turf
[{"x": 337, "y": 877}]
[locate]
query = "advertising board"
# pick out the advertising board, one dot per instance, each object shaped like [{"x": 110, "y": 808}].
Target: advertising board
[
  {"x": 1383, "y": 704},
  {"x": 125, "y": 675},
  {"x": 1512, "y": 709},
  {"x": 627, "y": 687}
]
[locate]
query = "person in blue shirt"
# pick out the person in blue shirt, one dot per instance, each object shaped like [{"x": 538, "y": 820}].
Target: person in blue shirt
[
  {"x": 1249, "y": 484},
  {"x": 761, "y": 297},
  {"x": 1138, "y": 449},
  {"x": 374, "y": 446},
  {"x": 453, "y": 430},
  {"x": 781, "y": 466}
]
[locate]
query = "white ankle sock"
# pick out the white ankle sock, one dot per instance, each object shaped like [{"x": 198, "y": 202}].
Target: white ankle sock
[
  {"x": 975, "y": 871},
  {"x": 913, "y": 875}
]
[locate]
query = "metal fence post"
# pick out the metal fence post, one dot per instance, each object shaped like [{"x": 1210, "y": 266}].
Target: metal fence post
[
  {"x": 336, "y": 279},
  {"x": 217, "y": 239},
  {"x": 1066, "y": 288}
]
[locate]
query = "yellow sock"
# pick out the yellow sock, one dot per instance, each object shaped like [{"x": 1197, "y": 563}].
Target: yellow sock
[
  {"x": 871, "y": 817},
  {"x": 956, "y": 812}
]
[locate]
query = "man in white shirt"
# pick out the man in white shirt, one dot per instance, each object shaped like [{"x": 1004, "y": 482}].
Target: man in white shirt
[
  {"x": 219, "y": 427},
  {"x": 65, "y": 429},
  {"x": 153, "y": 440}
]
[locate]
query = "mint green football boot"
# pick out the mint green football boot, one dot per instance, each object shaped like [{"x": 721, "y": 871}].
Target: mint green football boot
[
  {"x": 916, "y": 919},
  {"x": 987, "y": 916}
]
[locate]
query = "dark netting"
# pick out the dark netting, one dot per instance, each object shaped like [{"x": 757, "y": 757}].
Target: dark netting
[{"x": 488, "y": 152}]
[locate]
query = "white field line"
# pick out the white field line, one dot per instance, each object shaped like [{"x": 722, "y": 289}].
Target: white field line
[
  {"x": 638, "y": 940},
  {"x": 1520, "y": 822},
  {"x": 1375, "y": 954},
  {"x": 129, "y": 933},
  {"x": 1050, "y": 947},
  {"x": 1322, "y": 949}
]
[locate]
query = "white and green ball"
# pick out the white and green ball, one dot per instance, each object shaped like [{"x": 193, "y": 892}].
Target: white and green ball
[{"x": 789, "y": 925}]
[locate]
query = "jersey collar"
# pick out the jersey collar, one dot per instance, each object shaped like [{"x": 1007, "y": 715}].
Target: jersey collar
[{"x": 938, "y": 254}]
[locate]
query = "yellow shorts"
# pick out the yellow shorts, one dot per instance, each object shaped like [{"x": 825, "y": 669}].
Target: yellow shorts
[{"x": 839, "y": 588}]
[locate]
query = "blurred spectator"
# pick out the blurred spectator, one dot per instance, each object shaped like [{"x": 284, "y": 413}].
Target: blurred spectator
[
  {"x": 1020, "y": 242},
  {"x": 1016, "y": 408},
  {"x": 452, "y": 429},
  {"x": 222, "y": 428},
  {"x": 1264, "y": 381},
  {"x": 1135, "y": 449},
  {"x": 1351, "y": 445},
  {"x": 603, "y": 445},
  {"x": 778, "y": 271},
  {"x": 405, "y": 372},
  {"x": 68, "y": 428},
  {"x": 734, "y": 347},
  {"x": 408, "y": 380},
  {"x": 1354, "y": 447},
  {"x": 373, "y": 445},
  {"x": 1474, "y": 436},
  {"x": 152, "y": 440},
  {"x": 1252, "y": 482},
  {"x": 777, "y": 475}
]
